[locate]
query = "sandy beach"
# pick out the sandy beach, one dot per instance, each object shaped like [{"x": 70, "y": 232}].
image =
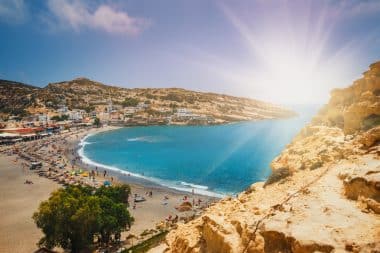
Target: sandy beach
[{"x": 18, "y": 201}]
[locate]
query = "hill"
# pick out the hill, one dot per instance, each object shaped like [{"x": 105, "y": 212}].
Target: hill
[{"x": 85, "y": 94}]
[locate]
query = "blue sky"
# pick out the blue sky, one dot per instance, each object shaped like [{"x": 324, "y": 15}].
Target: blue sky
[{"x": 278, "y": 51}]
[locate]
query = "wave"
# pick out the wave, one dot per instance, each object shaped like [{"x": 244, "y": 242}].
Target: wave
[
  {"x": 150, "y": 139},
  {"x": 194, "y": 185},
  {"x": 179, "y": 186}
]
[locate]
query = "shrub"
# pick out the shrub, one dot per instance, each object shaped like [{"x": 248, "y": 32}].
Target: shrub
[
  {"x": 277, "y": 175},
  {"x": 130, "y": 102},
  {"x": 371, "y": 121}
]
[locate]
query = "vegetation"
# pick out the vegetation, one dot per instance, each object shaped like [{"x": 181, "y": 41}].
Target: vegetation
[
  {"x": 150, "y": 96},
  {"x": 97, "y": 122},
  {"x": 277, "y": 175},
  {"x": 71, "y": 218},
  {"x": 130, "y": 102},
  {"x": 148, "y": 244},
  {"x": 60, "y": 118},
  {"x": 171, "y": 96},
  {"x": 371, "y": 121}
]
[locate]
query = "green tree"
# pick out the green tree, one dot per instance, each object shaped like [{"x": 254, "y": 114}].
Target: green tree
[
  {"x": 97, "y": 122},
  {"x": 118, "y": 193},
  {"x": 60, "y": 118},
  {"x": 72, "y": 217}
]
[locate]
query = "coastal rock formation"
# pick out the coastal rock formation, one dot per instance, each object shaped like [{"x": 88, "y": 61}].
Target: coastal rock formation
[{"x": 323, "y": 195}]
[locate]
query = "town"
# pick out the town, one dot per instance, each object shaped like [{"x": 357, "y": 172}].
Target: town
[
  {"x": 28, "y": 112},
  {"x": 39, "y": 125}
]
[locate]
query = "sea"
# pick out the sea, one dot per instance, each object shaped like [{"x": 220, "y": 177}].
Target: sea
[{"x": 214, "y": 160}]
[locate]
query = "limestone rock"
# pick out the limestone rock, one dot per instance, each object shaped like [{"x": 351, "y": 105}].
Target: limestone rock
[{"x": 330, "y": 200}]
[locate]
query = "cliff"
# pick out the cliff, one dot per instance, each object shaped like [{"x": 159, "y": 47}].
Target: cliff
[
  {"x": 82, "y": 93},
  {"x": 323, "y": 194}
]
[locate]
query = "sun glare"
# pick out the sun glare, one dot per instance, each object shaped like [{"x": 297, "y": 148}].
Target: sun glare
[{"x": 293, "y": 58}]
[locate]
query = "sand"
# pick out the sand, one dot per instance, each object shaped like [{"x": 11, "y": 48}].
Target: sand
[{"x": 18, "y": 201}]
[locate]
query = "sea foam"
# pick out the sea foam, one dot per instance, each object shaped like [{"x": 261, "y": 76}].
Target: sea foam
[{"x": 179, "y": 186}]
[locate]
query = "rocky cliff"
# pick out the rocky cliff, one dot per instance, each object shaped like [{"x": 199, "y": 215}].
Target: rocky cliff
[{"x": 323, "y": 194}]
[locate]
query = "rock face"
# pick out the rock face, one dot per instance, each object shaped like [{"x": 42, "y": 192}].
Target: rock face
[{"x": 323, "y": 196}]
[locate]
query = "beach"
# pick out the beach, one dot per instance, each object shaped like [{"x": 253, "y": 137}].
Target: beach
[{"x": 19, "y": 200}]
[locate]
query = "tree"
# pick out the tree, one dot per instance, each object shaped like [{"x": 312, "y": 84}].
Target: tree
[
  {"x": 97, "y": 122},
  {"x": 72, "y": 217},
  {"x": 60, "y": 118}
]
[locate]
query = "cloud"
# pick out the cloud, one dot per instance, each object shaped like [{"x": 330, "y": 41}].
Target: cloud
[
  {"x": 13, "y": 11},
  {"x": 78, "y": 15}
]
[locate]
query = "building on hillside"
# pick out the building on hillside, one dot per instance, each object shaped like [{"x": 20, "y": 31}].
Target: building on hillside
[
  {"x": 142, "y": 106},
  {"x": 129, "y": 111},
  {"x": 43, "y": 118},
  {"x": 62, "y": 109},
  {"x": 76, "y": 114},
  {"x": 183, "y": 112}
]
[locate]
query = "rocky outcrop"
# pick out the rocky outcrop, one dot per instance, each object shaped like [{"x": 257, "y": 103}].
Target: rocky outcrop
[
  {"x": 353, "y": 108},
  {"x": 323, "y": 195}
]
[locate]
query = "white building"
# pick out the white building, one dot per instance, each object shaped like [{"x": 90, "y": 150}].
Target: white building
[
  {"x": 43, "y": 118},
  {"x": 183, "y": 112},
  {"x": 76, "y": 114},
  {"x": 141, "y": 106},
  {"x": 62, "y": 109}
]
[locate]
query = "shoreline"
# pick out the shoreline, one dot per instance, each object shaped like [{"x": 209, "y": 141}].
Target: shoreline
[
  {"x": 130, "y": 177},
  {"x": 56, "y": 153}
]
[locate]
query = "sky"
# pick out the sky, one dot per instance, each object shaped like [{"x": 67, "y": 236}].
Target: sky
[{"x": 285, "y": 52}]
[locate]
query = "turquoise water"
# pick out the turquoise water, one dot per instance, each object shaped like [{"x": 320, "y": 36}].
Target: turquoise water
[{"x": 211, "y": 159}]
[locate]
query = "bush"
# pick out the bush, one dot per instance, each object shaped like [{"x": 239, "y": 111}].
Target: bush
[
  {"x": 277, "y": 175},
  {"x": 173, "y": 97},
  {"x": 130, "y": 102},
  {"x": 316, "y": 165},
  {"x": 371, "y": 121}
]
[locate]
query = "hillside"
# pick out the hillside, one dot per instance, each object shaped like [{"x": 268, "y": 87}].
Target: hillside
[
  {"x": 16, "y": 97},
  {"x": 89, "y": 95},
  {"x": 323, "y": 194}
]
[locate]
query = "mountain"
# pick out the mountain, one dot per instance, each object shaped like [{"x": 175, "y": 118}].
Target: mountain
[
  {"x": 323, "y": 194},
  {"x": 82, "y": 93}
]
